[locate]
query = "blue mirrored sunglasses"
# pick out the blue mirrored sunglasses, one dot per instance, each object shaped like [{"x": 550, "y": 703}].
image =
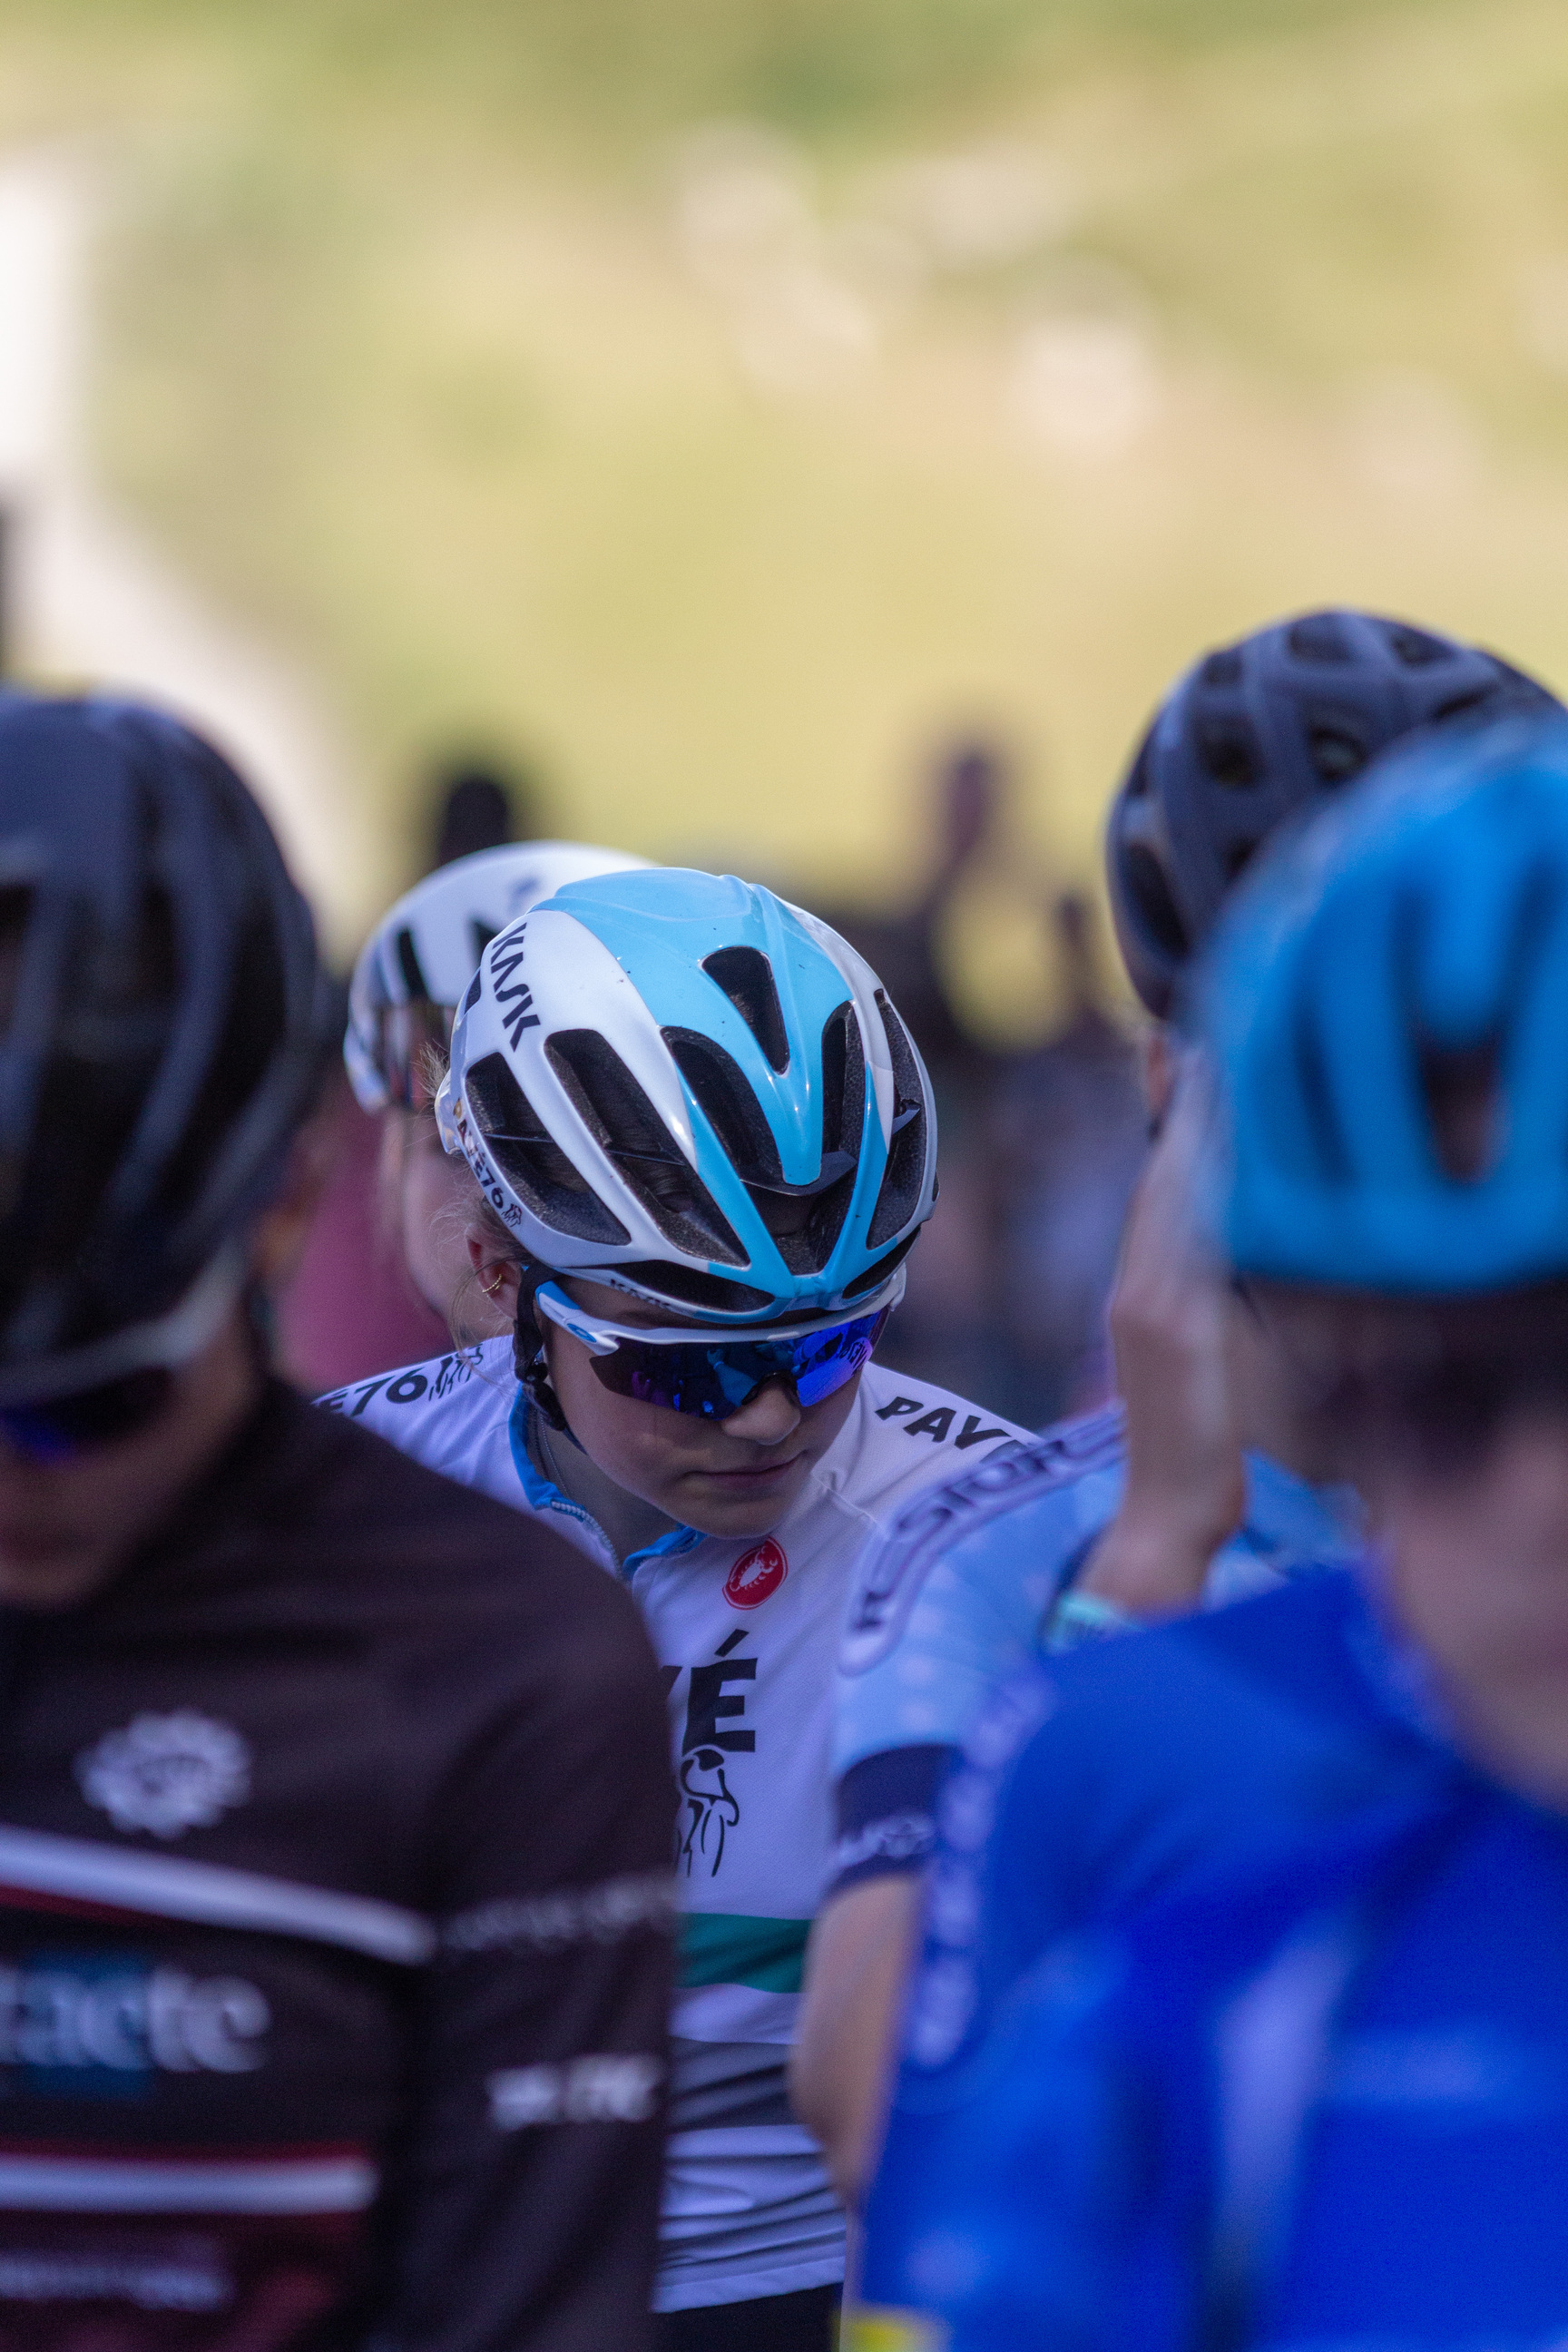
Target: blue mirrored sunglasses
[{"x": 715, "y": 1378}]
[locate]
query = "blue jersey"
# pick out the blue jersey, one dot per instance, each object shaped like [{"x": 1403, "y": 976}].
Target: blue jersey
[
  {"x": 1312, "y": 2104},
  {"x": 1094, "y": 1784},
  {"x": 954, "y": 1596}
]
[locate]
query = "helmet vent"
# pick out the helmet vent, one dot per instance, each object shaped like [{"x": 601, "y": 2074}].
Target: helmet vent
[
  {"x": 619, "y": 1114},
  {"x": 242, "y": 1043},
  {"x": 1238, "y": 855},
  {"x": 409, "y": 965},
  {"x": 729, "y": 1105},
  {"x": 532, "y": 1160},
  {"x": 480, "y": 937},
  {"x": 1229, "y": 751},
  {"x": 904, "y": 1178},
  {"x": 1144, "y": 880},
  {"x": 16, "y": 912},
  {"x": 802, "y": 1220},
  {"x": 690, "y": 1286},
  {"x": 1338, "y": 750},
  {"x": 1320, "y": 637},
  {"x": 1458, "y": 704},
  {"x": 1414, "y": 647},
  {"x": 873, "y": 1277},
  {"x": 1463, "y": 1100},
  {"x": 746, "y": 977},
  {"x": 1222, "y": 668}
]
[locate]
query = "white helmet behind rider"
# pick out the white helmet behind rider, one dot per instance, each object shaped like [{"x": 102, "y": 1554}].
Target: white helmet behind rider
[{"x": 413, "y": 970}]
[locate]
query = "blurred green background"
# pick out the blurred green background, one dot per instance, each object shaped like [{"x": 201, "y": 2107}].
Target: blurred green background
[{"x": 717, "y": 405}]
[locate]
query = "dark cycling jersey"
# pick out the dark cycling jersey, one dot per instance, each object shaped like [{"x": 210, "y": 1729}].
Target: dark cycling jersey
[{"x": 334, "y": 1896}]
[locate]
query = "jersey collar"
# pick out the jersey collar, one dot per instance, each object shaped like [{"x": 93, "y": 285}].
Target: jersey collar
[{"x": 544, "y": 1494}]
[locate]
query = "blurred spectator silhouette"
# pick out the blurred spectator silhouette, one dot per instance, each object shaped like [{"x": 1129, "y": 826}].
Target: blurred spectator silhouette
[
  {"x": 351, "y": 1310},
  {"x": 1039, "y": 1148},
  {"x": 943, "y": 1331},
  {"x": 1066, "y": 1130},
  {"x": 477, "y": 806}
]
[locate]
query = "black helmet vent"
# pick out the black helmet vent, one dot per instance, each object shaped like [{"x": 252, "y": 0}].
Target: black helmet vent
[
  {"x": 1337, "y": 748},
  {"x": 746, "y": 977},
  {"x": 843, "y": 1083},
  {"x": 688, "y": 1287},
  {"x": 1229, "y": 751},
  {"x": 1463, "y": 1101},
  {"x": 803, "y": 1219},
  {"x": 873, "y": 1277},
  {"x": 1143, "y": 879},
  {"x": 1320, "y": 637},
  {"x": 1223, "y": 668},
  {"x": 532, "y": 1160},
  {"x": 619, "y": 1114},
  {"x": 729, "y": 1105},
  {"x": 1458, "y": 704},
  {"x": 1414, "y": 647},
  {"x": 253, "y": 1016},
  {"x": 905, "y": 1176},
  {"x": 409, "y": 965}
]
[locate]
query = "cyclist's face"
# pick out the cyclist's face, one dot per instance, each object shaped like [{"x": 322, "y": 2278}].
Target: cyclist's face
[
  {"x": 736, "y": 1478},
  {"x": 424, "y": 1193},
  {"x": 66, "y": 1525},
  {"x": 1478, "y": 1566}
]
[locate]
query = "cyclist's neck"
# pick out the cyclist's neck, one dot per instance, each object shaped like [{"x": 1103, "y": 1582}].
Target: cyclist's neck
[{"x": 628, "y": 1524}]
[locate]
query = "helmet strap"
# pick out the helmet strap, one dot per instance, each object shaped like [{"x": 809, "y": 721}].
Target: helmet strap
[{"x": 528, "y": 1349}]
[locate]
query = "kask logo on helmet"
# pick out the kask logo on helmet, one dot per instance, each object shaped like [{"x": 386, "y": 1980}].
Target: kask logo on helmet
[{"x": 756, "y": 1575}]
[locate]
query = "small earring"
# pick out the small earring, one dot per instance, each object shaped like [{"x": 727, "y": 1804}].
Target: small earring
[{"x": 490, "y": 1288}]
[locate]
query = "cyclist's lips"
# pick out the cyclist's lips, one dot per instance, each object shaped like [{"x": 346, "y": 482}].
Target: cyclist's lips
[{"x": 753, "y": 1481}]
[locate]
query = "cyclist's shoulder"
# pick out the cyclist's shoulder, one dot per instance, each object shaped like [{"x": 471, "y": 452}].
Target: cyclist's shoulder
[
  {"x": 437, "y": 1409},
  {"x": 904, "y": 1436},
  {"x": 1215, "y": 1694},
  {"x": 1023, "y": 1511}
]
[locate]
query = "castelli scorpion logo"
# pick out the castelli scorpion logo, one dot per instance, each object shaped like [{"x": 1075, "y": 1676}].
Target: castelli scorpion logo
[{"x": 756, "y": 1575}]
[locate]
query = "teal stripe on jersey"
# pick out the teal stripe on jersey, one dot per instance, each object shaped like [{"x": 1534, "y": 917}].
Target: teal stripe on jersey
[{"x": 727, "y": 1948}]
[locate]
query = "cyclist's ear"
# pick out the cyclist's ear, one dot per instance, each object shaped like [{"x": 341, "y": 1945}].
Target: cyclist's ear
[{"x": 498, "y": 1277}]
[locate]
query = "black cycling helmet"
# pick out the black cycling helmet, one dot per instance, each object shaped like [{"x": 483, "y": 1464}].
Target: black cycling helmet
[
  {"x": 1254, "y": 732},
  {"x": 163, "y": 1022}
]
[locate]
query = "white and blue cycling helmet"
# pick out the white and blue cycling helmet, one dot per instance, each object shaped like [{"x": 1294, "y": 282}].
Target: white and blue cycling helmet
[
  {"x": 1386, "y": 1007},
  {"x": 677, "y": 1083},
  {"x": 411, "y": 973}
]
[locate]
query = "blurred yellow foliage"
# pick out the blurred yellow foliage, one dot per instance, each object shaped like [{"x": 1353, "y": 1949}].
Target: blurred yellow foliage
[{"x": 720, "y": 423}]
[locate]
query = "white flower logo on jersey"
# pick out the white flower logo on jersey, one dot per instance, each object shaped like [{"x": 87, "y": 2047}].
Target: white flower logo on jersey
[{"x": 167, "y": 1773}]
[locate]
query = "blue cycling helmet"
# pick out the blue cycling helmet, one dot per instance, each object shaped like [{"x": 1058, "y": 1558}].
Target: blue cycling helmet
[
  {"x": 1387, "y": 1010},
  {"x": 677, "y": 1083},
  {"x": 1249, "y": 734}
]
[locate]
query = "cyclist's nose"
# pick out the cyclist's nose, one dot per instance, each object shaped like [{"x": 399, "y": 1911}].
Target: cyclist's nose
[{"x": 768, "y": 1417}]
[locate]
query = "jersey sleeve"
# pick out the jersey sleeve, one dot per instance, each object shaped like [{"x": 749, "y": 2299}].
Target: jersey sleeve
[
  {"x": 1014, "y": 1857},
  {"x": 949, "y": 1604},
  {"x": 528, "y": 2211}
]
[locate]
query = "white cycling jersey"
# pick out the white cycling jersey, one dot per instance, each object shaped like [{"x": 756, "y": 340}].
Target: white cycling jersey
[{"x": 748, "y": 1633}]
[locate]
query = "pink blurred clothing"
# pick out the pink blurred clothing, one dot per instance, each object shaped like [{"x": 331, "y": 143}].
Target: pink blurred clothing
[{"x": 351, "y": 1309}]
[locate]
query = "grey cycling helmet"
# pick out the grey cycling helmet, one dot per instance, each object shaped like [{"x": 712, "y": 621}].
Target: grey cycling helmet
[
  {"x": 1251, "y": 733},
  {"x": 163, "y": 1022}
]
